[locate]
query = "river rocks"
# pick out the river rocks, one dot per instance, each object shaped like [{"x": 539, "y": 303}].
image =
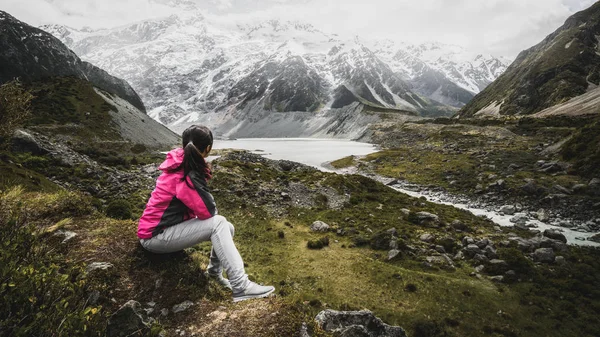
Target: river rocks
[
  {"x": 508, "y": 209},
  {"x": 425, "y": 218},
  {"x": 519, "y": 219},
  {"x": 595, "y": 238},
  {"x": 544, "y": 255},
  {"x": 182, "y": 306},
  {"x": 319, "y": 226},
  {"x": 129, "y": 320},
  {"x": 542, "y": 215},
  {"x": 356, "y": 324},
  {"x": 555, "y": 235}
]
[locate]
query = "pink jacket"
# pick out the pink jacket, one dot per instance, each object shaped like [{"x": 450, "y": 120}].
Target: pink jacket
[{"x": 173, "y": 201}]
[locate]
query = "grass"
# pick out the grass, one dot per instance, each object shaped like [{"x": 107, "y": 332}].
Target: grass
[{"x": 344, "y": 162}]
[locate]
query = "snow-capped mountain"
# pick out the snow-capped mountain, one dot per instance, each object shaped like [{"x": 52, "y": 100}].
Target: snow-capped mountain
[{"x": 190, "y": 68}]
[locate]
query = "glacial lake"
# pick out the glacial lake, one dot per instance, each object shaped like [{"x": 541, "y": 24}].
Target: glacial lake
[
  {"x": 310, "y": 151},
  {"x": 318, "y": 152}
]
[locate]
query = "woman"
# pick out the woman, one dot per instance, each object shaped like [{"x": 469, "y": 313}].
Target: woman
[{"x": 181, "y": 213}]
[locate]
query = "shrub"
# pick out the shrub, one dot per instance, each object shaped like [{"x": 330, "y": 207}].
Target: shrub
[
  {"x": 138, "y": 148},
  {"x": 41, "y": 295},
  {"x": 119, "y": 209},
  {"x": 319, "y": 243},
  {"x": 515, "y": 260},
  {"x": 14, "y": 108}
]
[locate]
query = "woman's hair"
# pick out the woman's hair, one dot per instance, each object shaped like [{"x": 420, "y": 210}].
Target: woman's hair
[{"x": 196, "y": 139}]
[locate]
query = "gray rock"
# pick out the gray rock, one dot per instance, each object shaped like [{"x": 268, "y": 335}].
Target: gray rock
[
  {"x": 25, "y": 142},
  {"x": 508, "y": 209},
  {"x": 459, "y": 225},
  {"x": 182, "y": 306},
  {"x": 427, "y": 237},
  {"x": 544, "y": 255},
  {"x": 304, "y": 330},
  {"x": 542, "y": 215},
  {"x": 482, "y": 243},
  {"x": 472, "y": 250},
  {"x": 67, "y": 235},
  {"x": 498, "y": 278},
  {"x": 490, "y": 252},
  {"x": 580, "y": 188},
  {"x": 519, "y": 218},
  {"x": 496, "y": 267},
  {"x": 98, "y": 265},
  {"x": 467, "y": 240},
  {"x": 393, "y": 253},
  {"x": 594, "y": 183},
  {"x": 480, "y": 259},
  {"x": 405, "y": 211},
  {"x": 356, "y": 324},
  {"x": 560, "y": 260},
  {"x": 562, "y": 189},
  {"x": 555, "y": 235},
  {"x": 319, "y": 226},
  {"x": 129, "y": 320},
  {"x": 425, "y": 218}
]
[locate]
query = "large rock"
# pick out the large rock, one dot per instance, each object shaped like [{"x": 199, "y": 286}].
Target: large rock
[
  {"x": 425, "y": 218},
  {"x": 555, "y": 235},
  {"x": 508, "y": 209},
  {"x": 129, "y": 320},
  {"x": 544, "y": 255},
  {"x": 25, "y": 142},
  {"x": 385, "y": 240},
  {"x": 356, "y": 324},
  {"x": 319, "y": 226}
]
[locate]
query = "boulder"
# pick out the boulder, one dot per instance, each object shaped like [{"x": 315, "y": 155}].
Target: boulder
[
  {"x": 459, "y": 225},
  {"x": 384, "y": 240},
  {"x": 129, "y": 320},
  {"x": 356, "y": 324},
  {"x": 393, "y": 253},
  {"x": 425, "y": 218},
  {"x": 319, "y": 226},
  {"x": 496, "y": 267},
  {"x": 544, "y": 255},
  {"x": 555, "y": 235},
  {"x": 519, "y": 218},
  {"x": 508, "y": 209},
  {"x": 25, "y": 142},
  {"x": 427, "y": 237}
]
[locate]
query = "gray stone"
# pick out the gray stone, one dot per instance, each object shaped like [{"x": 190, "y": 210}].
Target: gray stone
[
  {"x": 182, "y": 306},
  {"x": 490, "y": 252},
  {"x": 459, "y": 225},
  {"x": 319, "y": 226},
  {"x": 67, "y": 235},
  {"x": 25, "y": 142},
  {"x": 560, "y": 260},
  {"x": 303, "y": 330},
  {"x": 519, "y": 218},
  {"x": 555, "y": 235},
  {"x": 544, "y": 255},
  {"x": 542, "y": 215},
  {"x": 562, "y": 189},
  {"x": 459, "y": 256},
  {"x": 480, "y": 259},
  {"x": 405, "y": 211},
  {"x": 129, "y": 320},
  {"x": 393, "y": 253},
  {"x": 496, "y": 267},
  {"x": 98, "y": 265},
  {"x": 425, "y": 218},
  {"x": 482, "y": 243},
  {"x": 472, "y": 250},
  {"x": 467, "y": 240},
  {"x": 427, "y": 237},
  {"x": 580, "y": 188},
  {"x": 498, "y": 278},
  {"x": 508, "y": 209},
  {"x": 356, "y": 323}
]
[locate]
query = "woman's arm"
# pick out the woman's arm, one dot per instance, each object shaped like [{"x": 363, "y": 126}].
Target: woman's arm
[{"x": 197, "y": 198}]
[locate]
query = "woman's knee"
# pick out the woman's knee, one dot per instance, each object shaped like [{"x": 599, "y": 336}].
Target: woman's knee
[{"x": 221, "y": 221}]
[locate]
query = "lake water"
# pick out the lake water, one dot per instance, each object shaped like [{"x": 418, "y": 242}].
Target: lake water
[
  {"x": 309, "y": 151},
  {"x": 318, "y": 152}
]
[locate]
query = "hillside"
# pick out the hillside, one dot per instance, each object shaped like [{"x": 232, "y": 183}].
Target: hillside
[
  {"x": 31, "y": 54},
  {"x": 563, "y": 66}
]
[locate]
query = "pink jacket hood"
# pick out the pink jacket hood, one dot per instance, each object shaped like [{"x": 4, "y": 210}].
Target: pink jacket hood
[{"x": 173, "y": 160}]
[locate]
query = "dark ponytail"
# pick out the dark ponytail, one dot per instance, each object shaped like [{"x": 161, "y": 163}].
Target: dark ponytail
[{"x": 196, "y": 139}]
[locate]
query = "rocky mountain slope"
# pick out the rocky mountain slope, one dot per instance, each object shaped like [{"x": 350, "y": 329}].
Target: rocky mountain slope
[
  {"x": 31, "y": 54},
  {"x": 191, "y": 68},
  {"x": 563, "y": 66}
]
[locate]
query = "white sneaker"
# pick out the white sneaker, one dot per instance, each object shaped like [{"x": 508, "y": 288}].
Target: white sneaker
[
  {"x": 253, "y": 290},
  {"x": 223, "y": 282}
]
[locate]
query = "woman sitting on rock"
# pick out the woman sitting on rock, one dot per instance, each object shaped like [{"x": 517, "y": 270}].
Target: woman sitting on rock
[{"x": 181, "y": 213}]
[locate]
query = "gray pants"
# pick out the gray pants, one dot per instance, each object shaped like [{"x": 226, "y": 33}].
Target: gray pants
[{"x": 219, "y": 231}]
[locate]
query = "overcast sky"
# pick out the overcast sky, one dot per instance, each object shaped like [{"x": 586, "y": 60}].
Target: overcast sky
[{"x": 499, "y": 27}]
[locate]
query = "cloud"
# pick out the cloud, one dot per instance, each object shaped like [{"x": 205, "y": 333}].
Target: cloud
[{"x": 501, "y": 27}]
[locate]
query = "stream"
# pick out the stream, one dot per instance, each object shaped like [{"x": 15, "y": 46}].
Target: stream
[{"x": 319, "y": 152}]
